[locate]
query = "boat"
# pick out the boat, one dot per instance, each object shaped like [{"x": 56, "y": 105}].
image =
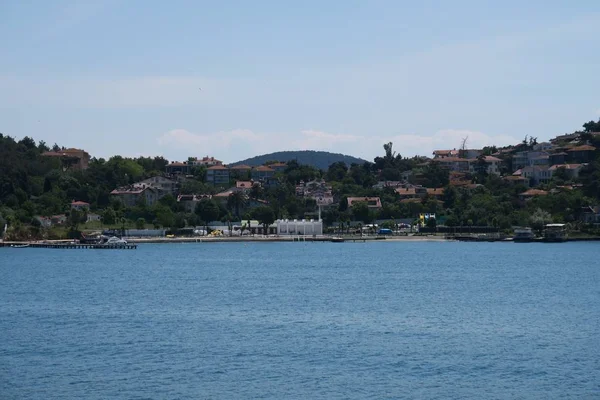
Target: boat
[
  {"x": 20, "y": 246},
  {"x": 523, "y": 235},
  {"x": 555, "y": 233},
  {"x": 115, "y": 241},
  {"x": 337, "y": 240}
]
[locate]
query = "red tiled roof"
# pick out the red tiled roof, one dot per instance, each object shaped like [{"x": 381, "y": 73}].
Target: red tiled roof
[
  {"x": 435, "y": 191},
  {"x": 264, "y": 168},
  {"x": 406, "y": 191},
  {"x": 242, "y": 166},
  {"x": 492, "y": 158},
  {"x": 217, "y": 167},
  {"x": 534, "y": 192},
  {"x": 566, "y": 166},
  {"x": 79, "y": 203},
  {"x": 585, "y": 147}
]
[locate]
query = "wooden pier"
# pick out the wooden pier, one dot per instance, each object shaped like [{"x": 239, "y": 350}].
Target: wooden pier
[{"x": 73, "y": 246}]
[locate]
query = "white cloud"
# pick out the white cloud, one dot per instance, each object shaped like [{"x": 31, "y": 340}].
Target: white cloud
[
  {"x": 598, "y": 112},
  {"x": 238, "y": 144}
]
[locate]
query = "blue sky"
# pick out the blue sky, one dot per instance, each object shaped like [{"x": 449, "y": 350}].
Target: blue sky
[{"x": 124, "y": 77}]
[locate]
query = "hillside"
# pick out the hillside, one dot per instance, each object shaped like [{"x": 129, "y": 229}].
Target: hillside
[{"x": 318, "y": 159}]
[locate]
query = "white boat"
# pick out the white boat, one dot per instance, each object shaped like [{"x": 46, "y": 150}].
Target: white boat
[
  {"x": 116, "y": 241},
  {"x": 523, "y": 235}
]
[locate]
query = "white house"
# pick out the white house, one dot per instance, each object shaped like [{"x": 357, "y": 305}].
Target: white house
[{"x": 160, "y": 182}]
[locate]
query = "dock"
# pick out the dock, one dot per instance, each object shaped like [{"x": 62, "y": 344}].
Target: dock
[{"x": 72, "y": 246}]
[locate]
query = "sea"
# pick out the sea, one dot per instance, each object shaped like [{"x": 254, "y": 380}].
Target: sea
[{"x": 375, "y": 320}]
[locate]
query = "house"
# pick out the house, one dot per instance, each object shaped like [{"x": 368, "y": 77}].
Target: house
[
  {"x": 532, "y": 193},
  {"x": 469, "y": 153},
  {"x": 190, "y": 201},
  {"x": 278, "y": 166},
  {"x": 493, "y": 165},
  {"x": 71, "y": 158},
  {"x": 571, "y": 170},
  {"x": 131, "y": 195},
  {"x": 581, "y": 154},
  {"x": 445, "y": 153},
  {"x": 536, "y": 174},
  {"x": 217, "y": 175},
  {"x": 591, "y": 215},
  {"x": 262, "y": 172},
  {"x": 60, "y": 219},
  {"x": 207, "y": 162},
  {"x": 419, "y": 193},
  {"x": 387, "y": 184},
  {"x": 91, "y": 217},
  {"x": 372, "y": 202},
  {"x": 179, "y": 168},
  {"x": 80, "y": 205},
  {"x": 544, "y": 146},
  {"x": 240, "y": 171},
  {"x": 558, "y": 158},
  {"x": 516, "y": 180},
  {"x": 45, "y": 222},
  {"x": 161, "y": 183},
  {"x": 455, "y": 164}
]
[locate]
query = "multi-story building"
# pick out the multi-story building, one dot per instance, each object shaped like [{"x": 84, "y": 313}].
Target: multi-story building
[
  {"x": 160, "y": 182},
  {"x": 179, "y": 168},
  {"x": 71, "y": 158},
  {"x": 262, "y": 172},
  {"x": 207, "y": 162},
  {"x": 218, "y": 175},
  {"x": 131, "y": 195}
]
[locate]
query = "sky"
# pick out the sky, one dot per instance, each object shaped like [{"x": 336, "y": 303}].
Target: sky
[{"x": 235, "y": 79}]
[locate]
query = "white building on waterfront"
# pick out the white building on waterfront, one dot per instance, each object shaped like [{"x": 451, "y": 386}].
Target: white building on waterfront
[{"x": 299, "y": 227}]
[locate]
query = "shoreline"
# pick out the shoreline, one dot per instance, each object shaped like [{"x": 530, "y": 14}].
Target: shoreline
[
  {"x": 289, "y": 239},
  {"x": 251, "y": 239}
]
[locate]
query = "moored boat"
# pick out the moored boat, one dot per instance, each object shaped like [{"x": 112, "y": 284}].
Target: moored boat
[{"x": 523, "y": 235}]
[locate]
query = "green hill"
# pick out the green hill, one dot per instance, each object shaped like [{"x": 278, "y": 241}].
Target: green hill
[{"x": 318, "y": 159}]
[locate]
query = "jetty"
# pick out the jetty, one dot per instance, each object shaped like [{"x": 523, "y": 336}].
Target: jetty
[{"x": 71, "y": 246}]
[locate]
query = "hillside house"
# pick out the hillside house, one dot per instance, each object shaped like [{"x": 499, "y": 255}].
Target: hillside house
[
  {"x": 131, "y": 195},
  {"x": 372, "y": 202},
  {"x": 207, "y": 162},
  {"x": 179, "y": 168},
  {"x": 581, "y": 154},
  {"x": 166, "y": 185},
  {"x": 218, "y": 175},
  {"x": 190, "y": 201},
  {"x": 80, "y": 205},
  {"x": 71, "y": 158},
  {"x": 444, "y": 153},
  {"x": 262, "y": 172}
]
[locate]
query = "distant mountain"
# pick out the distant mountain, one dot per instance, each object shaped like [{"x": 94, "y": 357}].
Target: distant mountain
[{"x": 318, "y": 159}]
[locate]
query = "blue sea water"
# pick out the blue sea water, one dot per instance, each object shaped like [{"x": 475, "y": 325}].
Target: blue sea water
[{"x": 302, "y": 321}]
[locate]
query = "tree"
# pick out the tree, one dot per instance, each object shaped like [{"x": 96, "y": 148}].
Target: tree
[
  {"x": 140, "y": 223},
  {"x": 208, "y": 211},
  {"x": 236, "y": 201},
  {"x": 361, "y": 212},
  {"x": 431, "y": 223},
  {"x": 264, "y": 215},
  {"x": 539, "y": 219},
  {"x": 109, "y": 216},
  {"x": 74, "y": 219}
]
